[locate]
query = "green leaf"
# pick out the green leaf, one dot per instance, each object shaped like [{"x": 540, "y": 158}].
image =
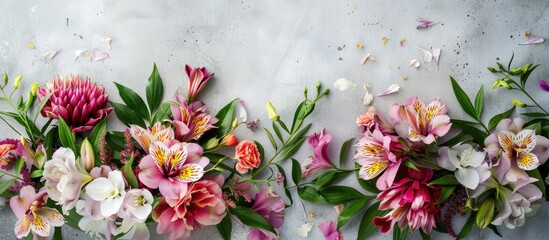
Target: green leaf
[
  {"x": 95, "y": 136},
  {"x": 344, "y": 151},
  {"x": 510, "y": 62},
  {"x": 277, "y": 131},
  {"x": 292, "y": 148},
  {"x": 6, "y": 184},
  {"x": 271, "y": 138},
  {"x": 341, "y": 194},
  {"x": 19, "y": 163},
  {"x": 367, "y": 226},
  {"x": 540, "y": 183},
  {"x": 445, "y": 180},
  {"x": 477, "y": 134},
  {"x": 129, "y": 175},
  {"x": 525, "y": 75},
  {"x": 446, "y": 193},
  {"x": 299, "y": 112},
  {"x": 479, "y": 101},
  {"x": 154, "y": 90},
  {"x": 66, "y": 136},
  {"x": 296, "y": 172},
  {"x": 225, "y": 227},
  {"x": 463, "y": 99},
  {"x": 330, "y": 177},
  {"x": 127, "y": 115},
  {"x": 399, "y": 234},
  {"x": 73, "y": 218},
  {"x": 424, "y": 236},
  {"x": 133, "y": 100},
  {"x": 251, "y": 218},
  {"x": 495, "y": 230},
  {"x": 454, "y": 140},
  {"x": 225, "y": 118},
  {"x": 534, "y": 114},
  {"x": 37, "y": 173},
  {"x": 285, "y": 182},
  {"x": 260, "y": 149},
  {"x": 162, "y": 113},
  {"x": 310, "y": 194},
  {"x": 42, "y": 104},
  {"x": 496, "y": 119},
  {"x": 466, "y": 230},
  {"x": 410, "y": 164},
  {"x": 350, "y": 210}
]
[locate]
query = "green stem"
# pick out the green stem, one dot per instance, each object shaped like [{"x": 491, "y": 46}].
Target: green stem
[{"x": 11, "y": 175}]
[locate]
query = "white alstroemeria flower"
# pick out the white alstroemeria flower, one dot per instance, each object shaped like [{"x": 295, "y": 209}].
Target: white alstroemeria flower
[
  {"x": 469, "y": 165},
  {"x": 138, "y": 204},
  {"x": 109, "y": 192},
  {"x": 133, "y": 229}
]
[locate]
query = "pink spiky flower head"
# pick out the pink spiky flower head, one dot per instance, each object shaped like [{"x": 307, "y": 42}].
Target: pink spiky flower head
[{"x": 78, "y": 102}]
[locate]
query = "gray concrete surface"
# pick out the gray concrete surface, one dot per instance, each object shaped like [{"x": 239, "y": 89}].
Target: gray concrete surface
[{"x": 268, "y": 50}]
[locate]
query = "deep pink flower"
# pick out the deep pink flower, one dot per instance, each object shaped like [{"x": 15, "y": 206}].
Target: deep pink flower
[
  {"x": 80, "y": 103},
  {"x": 171, "y": 166},
  {"x": 319, "y": 160},
  {"x": 191, "y": 121},
  {"x": 198, "y": 77},
  {"x": 202, "y": 205},
  {"x": 271, "y": 207},
  {"x": 424, "y": 23},
  {"x": 418, "y": 122},
  {"x": 329, "y": 229},
  {"x": 544, "y": 85},
  {"x": 411, "y": 202}
]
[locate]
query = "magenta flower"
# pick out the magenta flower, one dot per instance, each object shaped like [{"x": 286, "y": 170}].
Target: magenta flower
[
  {"x": 198, "y": 77},
  {"x": 191, "y": 121},
  {"x": 171, "y": 166},
  {"x": 411, "y": 202},
  {"x": 329, "y": 230},
  {"x": 271, "y": 207},
  {"x": 319, "y": 160},
  {"x": 418, "y": 122},
  {"x": 78, "y": 102},
  {"x": 544, "y": 85},
  {"x": 424, "y": 23}
]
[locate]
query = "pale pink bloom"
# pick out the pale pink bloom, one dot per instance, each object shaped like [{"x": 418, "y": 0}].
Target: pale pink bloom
[
  {"x": 32, "y": 216},
  {"x": 198, "y": 77},
  {"x": 155, "y": 133},
  {"x": 171, "y": 166},
  {"x": 202, "y": 205},
  {"x": 271, "y": 207},
  {"x": 77, "y": 101},
  {"x": 329, "y": 230},
  {"x": 137, "y": 205},
  {"x": 411, "y": 202},
  {"x": 320, "y": 159},
  {"x": 191, "y": 121},
  {"x": 418, "y": 122},
  {"x": 376, "y": 155},
  {"x": 64, "y": 181},
  {"x": 366, "y": 120}
]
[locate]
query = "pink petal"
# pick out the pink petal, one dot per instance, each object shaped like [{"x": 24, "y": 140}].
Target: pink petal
[
  {"x": 81, "y": 53},
  {"x": 108, "y": 41},
  {"x": 413, "y": 63},
  {"x": 394, "y": 88},
  {"x": 98, "y": 55},
  {"x": 533, "y": 40},
  {"x": 368, "y": 56}
]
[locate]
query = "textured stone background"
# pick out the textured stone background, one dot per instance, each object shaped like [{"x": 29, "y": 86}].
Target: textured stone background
[{"x": 268, "y": 50}]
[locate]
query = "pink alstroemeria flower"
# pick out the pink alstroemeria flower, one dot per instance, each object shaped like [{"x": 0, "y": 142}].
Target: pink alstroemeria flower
[
  {"x": 319, "y": 160},
  {"x": 424, "y": 23},
  {"x": 198, "y": 77},
  {"x": 271, "y": 207},
  {"x": 191, "y": 121},
  {"x": 544, "y": 85},
  {"x": 155, "y": 133},
  {"x": 32, "y": 216},
  {"x": 329, "y": 230},
  {"x": 418, "y": 122},
  {"x": 411, "y": 202},
  {"x": 171, "y": 166},
  {"x": 376, "y": 155}
]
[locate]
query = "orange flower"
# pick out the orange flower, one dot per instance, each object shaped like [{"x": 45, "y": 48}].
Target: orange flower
[
  {"x": 247, "y": 156},
  {"x": 230, "y": 140}
]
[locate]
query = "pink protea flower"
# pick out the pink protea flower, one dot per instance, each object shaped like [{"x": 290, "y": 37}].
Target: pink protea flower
[
  {"x": 418, "y": 122},
  {"x": 198, "y": 77},
  {"x": 77, "y": 101},
  {"x": 32, "y": 215},
  {"x": 271, "y": 207},
  {"x": 191, "y": 121},
  {"x": 411, "y": 202},
  {"x": 171, "y": 166},
  {"x": 202, "y": 205},
  {"x": 319, "y": 160}
]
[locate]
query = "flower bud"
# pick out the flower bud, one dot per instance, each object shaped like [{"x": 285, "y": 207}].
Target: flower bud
[
  {"x": 34, "y": 88},
  {"x": 211, "y": 144},
  {"x": 271, "y": 110},
  {"x": 485, "y": 213},
  {"x": 519, "y": 103},
  {"x": 5, "y": 79},
  {"x": 230, "y": 140},
  {"x": 526, "y": 67},
  {"x": 491, "y": 69},
  {"x": 87, "y": 156},
  {"x": 516, "y": 71},
  {"x": 501, "y": 83},
  {"x": 305, "y": 91},
  {"x": 17, "y": 82}
]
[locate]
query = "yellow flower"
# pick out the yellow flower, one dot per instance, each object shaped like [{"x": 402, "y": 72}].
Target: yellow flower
[
  {"x": 17, "y": 82},
  {"x": 518, "y": 103},
  {"x": 271, "y": 110}
]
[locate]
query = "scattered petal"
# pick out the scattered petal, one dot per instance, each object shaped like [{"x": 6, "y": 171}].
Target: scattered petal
[
  {"x": 368, "y": 97},
  {"x": 30, "y": 46},
  {"x": 49, "y": 55},
  {"x": 303, "y": 230},
  {"x": 544, "y": 85},
  {"x": 384, "y": 40},
  {"x": 394, "y": 88},
  {"x": 343, "y": 84},
  {"x": 98, "y": 55},
  {"x": 243, "y": 115},
  {"x": 404, "y": 77},
  {"x": 427, "y": 55},
  {"x": 436, "y": 54},
  {"x": 403, "y": 42},
  {"x": 368, "y": 56},
  {"x": 359, "y": 45},
  {"x": 338, "y": 208},
  {"x": 413, "y": 63},
  {"x": 424, "y": 23},
  {"x": 533, "y": 40},
  {"x": 81, "y": 53},
  {"x": 108, "y": 41}
]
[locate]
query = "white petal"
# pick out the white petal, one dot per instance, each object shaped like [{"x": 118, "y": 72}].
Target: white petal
[
  {"x": 368, "y": 97},
  {"x": 427, "y": 55},
  {"x": 303, "y": 230},
  {"x": 99, "y": 189},
  {"x": 468, "y": 177},
  {"x": 81, "y": 53},
  {"x": 444, "y": 158},
  {"x": 343, "y": 84},
  {"x": 436, "y": 54},
  {"x": 98, "y": 55},
  {"x": 111, "y": 206},
  {"x": 533, "y": 40},
  {"x": 413, "y": 63},
  {"x": 392, "y": 89},
  {"x": 368, "y": 56},
  {"x": 49, "y": 55},
  {"x": 108, "y": 41},
  {"x": 117, "y": 180},
  {"x": 476, "y": 158},
  {"x": 141, "y": 213}
]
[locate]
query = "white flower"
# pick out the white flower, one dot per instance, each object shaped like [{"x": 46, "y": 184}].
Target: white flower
[
  {"x": 468, "y": 164},
  {"x": 109, "y": 192},
  {"x": 133, "y": 229},
  {"x": 63, "y": 179},
  {"x": 343, "y": 84},
  {"x": 138, "y": 204},
  {"x": 368, "y": 97},
  {"x": 303, "y": 230}
]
